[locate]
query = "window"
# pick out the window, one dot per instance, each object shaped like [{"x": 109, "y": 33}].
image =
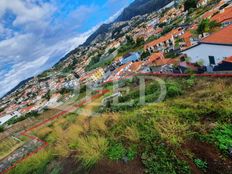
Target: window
[{"x": 212, "y": 60}]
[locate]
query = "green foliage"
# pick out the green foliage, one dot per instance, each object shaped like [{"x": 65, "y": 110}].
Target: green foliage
[
  {"x": 21, "y": 118},
  {"x": 173, "y": 89},
  {"x": 222, "y": 136},
  {"x": 118, "y": 152},
  {"x": 188, "y": 4},
  {"x": 151, "y": 38},
  {"x": 201, "y": 164},
  {"x": 1, "y": 128},
  {"x": 145, "y": 54},
  {"x": 206, "y": 25},
  {"x": 159, "y": 159}
]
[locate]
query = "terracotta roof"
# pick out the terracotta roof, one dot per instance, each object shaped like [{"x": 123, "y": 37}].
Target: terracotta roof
[
  {"x": 162, "y": 62},
  {"x": 164, "y": 38},
  {"x": 136, "y": 66},
  {"x": 187, "y": 34},
  {"x": 154, "y": 57},
  {"x": 228, "y": 59},
  {"x": 224, "y": 36},
  {"x": 226, "y": 15}
]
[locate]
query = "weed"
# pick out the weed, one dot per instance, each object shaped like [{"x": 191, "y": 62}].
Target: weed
[{"x": 201, "y": 164}]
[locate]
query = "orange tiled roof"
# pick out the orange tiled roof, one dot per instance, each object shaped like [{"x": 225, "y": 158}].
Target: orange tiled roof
[
  {"x": 187, "y": 34},
  {"x": 228, "y": 59},
  {"x": 161, "y": 62},
  {"x": 224, "y": 16},
  {"x": 154, "y": 57},
  {"x": 164, "y": 38},
  {"x": 224, "y": 36},
  {"x": 136, "y": 66}
]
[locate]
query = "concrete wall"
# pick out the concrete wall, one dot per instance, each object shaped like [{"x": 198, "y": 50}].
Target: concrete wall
[{"x": 203, "y": 51}]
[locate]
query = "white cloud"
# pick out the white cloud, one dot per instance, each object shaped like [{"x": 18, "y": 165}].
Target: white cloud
[
  {"x": 40, "y": 41},
  {"x": 26, "y": 11}
]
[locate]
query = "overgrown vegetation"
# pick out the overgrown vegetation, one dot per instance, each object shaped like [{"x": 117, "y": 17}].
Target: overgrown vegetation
[{"x": 193, "y": 109}]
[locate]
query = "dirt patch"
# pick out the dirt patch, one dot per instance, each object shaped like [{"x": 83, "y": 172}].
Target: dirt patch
[
  {"x": 217, "y": 163},
  {"x": 70, "y": 165},
  {"x": 118, "y": 167}
]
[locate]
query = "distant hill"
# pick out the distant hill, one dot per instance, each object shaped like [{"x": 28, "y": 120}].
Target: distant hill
[
  {"x": 18, "y": 86},
  {"x": 141, "y": 7},
  {"x": 138, "y": 7}
]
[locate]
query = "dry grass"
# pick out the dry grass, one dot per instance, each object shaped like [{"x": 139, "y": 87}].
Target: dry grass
[
  {"x": 7, "y": 146},
  {"x": 91, "y": 149},
  {"x": 132, "y": 134},
  {"x": 99, "y": 124},
  {"x": 171, "y": 129},
  {"x": 43, "y": 132}
]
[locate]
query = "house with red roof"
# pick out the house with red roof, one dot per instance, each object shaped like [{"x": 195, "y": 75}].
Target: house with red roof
[
  {"x": 213, "y": 49},
  {"x": 224, "y": 16},
  {"x": 165, "y": 43}
]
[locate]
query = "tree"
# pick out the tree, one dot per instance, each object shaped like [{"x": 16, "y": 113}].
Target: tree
[
  {"x": 144, "y": 55},
  {"x": 1, "y": 128},
  {"x": 207, "y": 26},
  {"x": 188, "y": 4}
]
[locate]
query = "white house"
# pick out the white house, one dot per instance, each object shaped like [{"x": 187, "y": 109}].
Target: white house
[
  {"x": 213, "y": 49},
  {"x": 6, "y": 118}
]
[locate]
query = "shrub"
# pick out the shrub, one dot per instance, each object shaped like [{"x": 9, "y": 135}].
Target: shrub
[{"x": 91, "y": 149}]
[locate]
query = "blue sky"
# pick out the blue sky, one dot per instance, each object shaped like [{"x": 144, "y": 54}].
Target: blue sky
[{"x": 35, "y": 34}]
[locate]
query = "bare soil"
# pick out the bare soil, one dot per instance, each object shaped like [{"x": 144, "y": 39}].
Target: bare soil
[
  {"x": 217, "y": 163},
  {"x": 118, "y": 167}
]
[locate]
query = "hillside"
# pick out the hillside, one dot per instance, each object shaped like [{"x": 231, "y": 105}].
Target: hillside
[
  {"x": 183, "y": 134},
  {"x": 141, "y": 7},
  {"x": 138, "y": 7}
]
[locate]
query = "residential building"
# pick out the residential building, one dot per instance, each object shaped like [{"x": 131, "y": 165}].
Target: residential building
[
  {"x": 213, "y": 49},
  {"x": 165, "y": 43},
  {"x": 225, "y": 65},
  {"x": 224, "y": 16},
  {"x": 201, "y": 3},
  {"x": 131, "y": 57}
]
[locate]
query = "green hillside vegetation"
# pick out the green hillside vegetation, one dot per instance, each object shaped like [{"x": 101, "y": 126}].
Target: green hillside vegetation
[{"x": 178, "y": 135}]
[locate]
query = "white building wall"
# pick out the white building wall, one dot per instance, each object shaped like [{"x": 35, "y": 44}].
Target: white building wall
[{"x": 203, "y": 51}]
